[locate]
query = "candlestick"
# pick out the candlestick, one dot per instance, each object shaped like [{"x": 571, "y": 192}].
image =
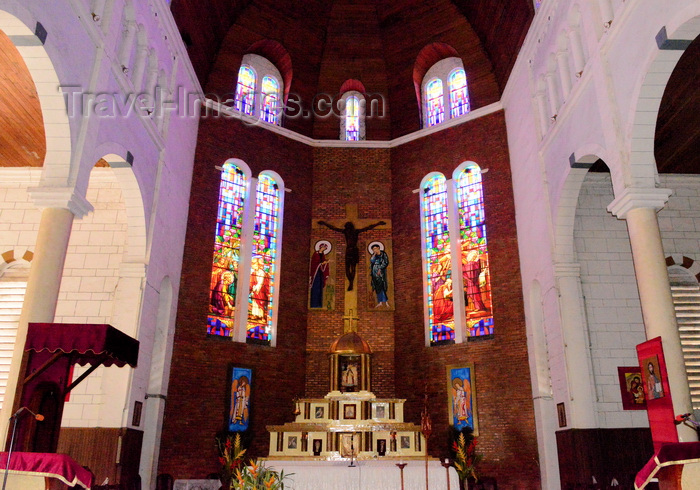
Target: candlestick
[{"x": 401, "y": 466}]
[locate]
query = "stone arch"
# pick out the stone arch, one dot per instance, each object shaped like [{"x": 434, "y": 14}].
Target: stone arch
[
  {"x": 671, "y": 42},
  {"x": 57, "y": 131},
  {"x": 580, "y": 162},
  {"x": 687, "y": 265},
  {"x": 118, "y": 160}
]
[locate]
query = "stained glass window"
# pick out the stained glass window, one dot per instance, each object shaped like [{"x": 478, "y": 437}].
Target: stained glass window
[
  {"x": 437, "y": 260},
  {"x": 352, "y": 119},
  {"x": 474, "y": 252},
  {"x": 263, "y": 264},
  {"x": 459, "y": 97},
  {"x": 270, "y": 95},
  {"x": 227, "y": 251},
  {"x": 245, "y": 90},
  {"x": 434, "y": 104}
]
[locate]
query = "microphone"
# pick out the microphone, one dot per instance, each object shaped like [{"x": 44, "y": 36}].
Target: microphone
[
  {"x": 682, "y": 418},
  {"x": 37, "y": 416}
]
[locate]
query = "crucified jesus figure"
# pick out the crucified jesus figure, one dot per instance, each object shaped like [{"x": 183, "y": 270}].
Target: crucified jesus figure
[{"x": 352, "y": 253}]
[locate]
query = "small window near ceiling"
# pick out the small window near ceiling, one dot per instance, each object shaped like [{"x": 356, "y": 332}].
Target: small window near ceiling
[
  {"x": 270, "y": 100},
  {"x": 445, "y": 92},
  {"x": 434, "y": 106},
  {"x": 352, "y": 119},
  {"x": 245, "y": 90},
  {"x": 459, "y": 98}
]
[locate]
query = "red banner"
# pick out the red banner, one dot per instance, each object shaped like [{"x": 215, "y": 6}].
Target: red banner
[{"x": 657, "y": 392}]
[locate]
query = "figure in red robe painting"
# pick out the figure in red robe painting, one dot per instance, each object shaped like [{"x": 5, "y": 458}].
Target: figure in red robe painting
[
  {"x": 259, "y": 291},
  {"x": 319, "y": 272}
]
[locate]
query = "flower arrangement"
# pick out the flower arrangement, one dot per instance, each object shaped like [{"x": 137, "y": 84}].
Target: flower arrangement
[
  {"x": 235, "y": 475},
  {"x": 254, "y": 476},
  {"x": 231, "y": 453},
  {"x": 465, "y": 456}
]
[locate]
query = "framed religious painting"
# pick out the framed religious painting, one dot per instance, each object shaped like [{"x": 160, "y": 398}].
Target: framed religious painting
[
  {"x": 380, "y": 290},
  {"x": 631, "y": 388},
  {"x": 461, "y": 394},
  {"x": 239, "y": 399},
  {"x": 322, "y": 275}
]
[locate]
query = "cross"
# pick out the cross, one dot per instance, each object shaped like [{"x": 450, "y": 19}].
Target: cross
[{"x": 349, "y": 326}]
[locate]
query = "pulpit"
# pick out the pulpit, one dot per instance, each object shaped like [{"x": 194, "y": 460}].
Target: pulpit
[{"x": 28, "y": 471}]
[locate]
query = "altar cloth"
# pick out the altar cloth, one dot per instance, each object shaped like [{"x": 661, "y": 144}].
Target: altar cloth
[
  {"x": 52, "y": 465},
  {"x": 365, "y": 474}
]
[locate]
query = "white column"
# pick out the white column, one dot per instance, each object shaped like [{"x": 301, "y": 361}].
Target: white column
[
  {"x": 639, "y": 208},
  {"x": 541, "y": 99},
  {"x": 577, "y": 54},
  {"x": 579, "y": 371},
  {"x": 60, "y": 207},
  {"x": 564, "y": 73},
  {"x": 553, "y": 93},
  {"x": 127, "y": 42}
]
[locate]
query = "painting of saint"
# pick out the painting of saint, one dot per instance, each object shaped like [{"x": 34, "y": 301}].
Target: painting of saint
[
  {"x": 321, "y": 284},
  {"x": 259, "y": 298},
  {"x": 379, "y": 261},
  {"x": 239, "y": 413},
  {"x": 652, "y": 373},
  {"x": 462, "y": 401},
  {"x": 443, "y": 303},
  {"x": 631, "y": 388},
  {"x": 224, "y": 283}
]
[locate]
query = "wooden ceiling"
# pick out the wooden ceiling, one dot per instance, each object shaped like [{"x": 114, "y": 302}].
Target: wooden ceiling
[{"x": 22, "y": 140}]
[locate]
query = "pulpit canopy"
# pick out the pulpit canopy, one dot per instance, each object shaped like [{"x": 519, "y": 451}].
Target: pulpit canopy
[{"x": 85, "y": 343}]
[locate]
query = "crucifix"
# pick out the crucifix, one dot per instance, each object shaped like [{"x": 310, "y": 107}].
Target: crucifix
[{"x": 351, "y": 227}]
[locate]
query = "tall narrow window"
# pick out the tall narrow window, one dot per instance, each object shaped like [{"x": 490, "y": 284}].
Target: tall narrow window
[
  {"x": 434, "y": 104},
  {"x": 264, "y": 262},
  {"x": 227, "y": 251},
  {"x": 270, "y": 97},
  {"x": 352, "y": 119},
  {"x": 438, "y": 262},
  {"x": 474, "y": 252},
  {"x": 459, "y": 97},
  {"x": 245, "y": 90}
]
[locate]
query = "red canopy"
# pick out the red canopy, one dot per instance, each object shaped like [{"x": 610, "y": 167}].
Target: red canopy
[
  {"x": 86, "y": 343},
  {"x": 50, "y": 465}
]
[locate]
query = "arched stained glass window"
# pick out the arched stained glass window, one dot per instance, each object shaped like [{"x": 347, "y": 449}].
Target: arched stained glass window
[
  {"x": 352, "y": 119},
  {"x": 434, "y": 104},
  {"x": 264, "y": 261},
  {"x": 459, "y": 97},
  {"x": 270, "y": 97},
  {"x": 474, "y": 252},
  {"x": 437, "y": 259},
  {"x": 227, "y": 251},
  {"x": 245, "y": 90}
]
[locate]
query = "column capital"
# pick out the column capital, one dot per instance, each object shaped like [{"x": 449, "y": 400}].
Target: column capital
[
  {"x": 61, "y": 197},
  {"x": 567, "y": 269},
  {"x": 132, "y": 269},
  {"x": 635, "y": 197}
]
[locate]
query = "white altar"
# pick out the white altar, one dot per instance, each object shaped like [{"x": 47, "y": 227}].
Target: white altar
[{"x": 364, "y": 475}]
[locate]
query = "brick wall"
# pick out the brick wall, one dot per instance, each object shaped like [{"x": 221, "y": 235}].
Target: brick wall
[
  {"x": 197, "y": 397},
  {"x": 381, "y": 183},
  {"x": 502, "y": 375}
]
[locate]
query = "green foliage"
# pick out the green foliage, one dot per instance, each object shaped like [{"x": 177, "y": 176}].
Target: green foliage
[
  {"x": 255, "y": 476},
  {"x": 465, "y": 458}
]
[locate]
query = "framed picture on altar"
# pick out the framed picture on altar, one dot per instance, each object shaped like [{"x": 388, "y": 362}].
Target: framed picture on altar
[
  {"x": 461, "y": 394},
  {"x": 319, "y": 412},
  {"x": 292, "y": 442},
  {"x": 349, "y": 411},
  {"x": 380, "y": 410},
  {"x": 349, "y": 444},
  {"x": 405, "y": 442}
]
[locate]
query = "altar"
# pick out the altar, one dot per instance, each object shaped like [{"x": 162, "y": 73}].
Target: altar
[{"x": 363, "y": 475}]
